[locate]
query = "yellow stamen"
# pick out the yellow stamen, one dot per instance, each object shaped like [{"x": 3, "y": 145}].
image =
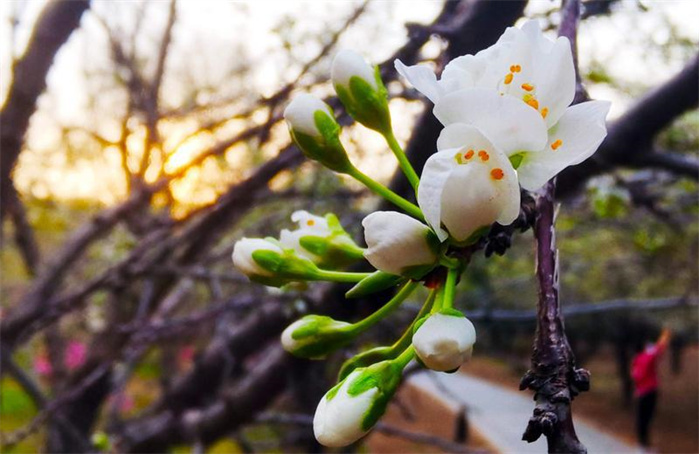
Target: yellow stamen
[
  {"x": 556, "y": 144},
  {"x": 459, "y": 158},
  {"x": 508, "y": 79},
  {"x": 310, "y": 222},
  {"x": 483, "y": 155},
  {"x": 527, "y": 87},
  {"x": 497, "y": 174},
  {"x": 544, "y": 112}
]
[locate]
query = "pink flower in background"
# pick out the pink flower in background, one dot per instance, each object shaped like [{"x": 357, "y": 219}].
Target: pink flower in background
[
  {"x": 42, "y": 366},
  {"x": 185, "y": 356},
  {"x": 75, "y": 355}
]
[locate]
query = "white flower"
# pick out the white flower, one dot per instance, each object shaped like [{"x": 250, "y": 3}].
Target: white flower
[
  {"x": 467, "y": 185},
  {"x": 348, "y": 64},
  {"x": 444, "y": 342},
  {"x": 397, "y": 242},
  {"x": 300, "y": 114},
  {"x": 339, "y": 417},
  {"x": 309, "y": 225},
  {"x": 242, "y": 255},
  {"x": 537, "y": 73}
]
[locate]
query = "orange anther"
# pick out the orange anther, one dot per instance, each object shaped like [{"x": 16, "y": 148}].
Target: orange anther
[
  {"x": 497, "y": 174},
  {"x": 469, "y": 154},
  {"x": 556, "y": 144},
  {"x": 517, "y": 69},
  {"x": 544, "y": 112},
  {"x": 483, "y": 155},
  {"x": 533, "y": 102},
  {"x": 508, "y": 79},
  {"x": 310, "y": 222},
  {"x": 527, "y": 87}
]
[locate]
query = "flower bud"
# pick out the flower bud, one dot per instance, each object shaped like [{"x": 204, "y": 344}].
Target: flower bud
[
  {"x": 361, "y": 91},
  {"x": 399, "y": 244},
  {"x": 375, "y": 282},
  {"x": 321, "y": 240},
  {"x": 444, "y": 341},
  {"x": 316, "y": 132},
  {"x": 264, "y": 261},
  {"x": 242, "y": 255},
  {"x": 314, "y": 336},
  {"x": 350, "y": 409}
]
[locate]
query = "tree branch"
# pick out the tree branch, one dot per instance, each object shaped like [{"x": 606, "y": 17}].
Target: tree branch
[{"x": 553, "y": 376}]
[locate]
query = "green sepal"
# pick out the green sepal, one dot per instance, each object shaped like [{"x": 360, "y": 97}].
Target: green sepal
[
  {"x": 419, "y": 323},
  {"x": 384, "y": 376},
  {"x": 450, "y": 311},
  {"x": 417, "y": 272},
  {"x": 327, "y": 148},
  {"x": 270, "y": 281},
  {"x": 365, "y": 359},
  {"x": 366, "y": 104},
  {"x": 473, "y": 238},
  {"x": 335, "y": 251},
  {"x": 323, "y": 336},
  {"x": 286, "y": 266},
  {"x": 375, "y": 282}
]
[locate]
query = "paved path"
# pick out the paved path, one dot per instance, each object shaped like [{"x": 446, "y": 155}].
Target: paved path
[{"x": 500, "y": 414}]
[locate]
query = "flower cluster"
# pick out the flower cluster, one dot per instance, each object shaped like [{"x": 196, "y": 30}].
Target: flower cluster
[{"x": 508, "y": 124}]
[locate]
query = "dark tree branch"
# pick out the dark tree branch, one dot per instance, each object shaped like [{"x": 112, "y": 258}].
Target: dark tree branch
[
  {"x": 553, "y": 376},
  {"x": 52, "y": 29}
]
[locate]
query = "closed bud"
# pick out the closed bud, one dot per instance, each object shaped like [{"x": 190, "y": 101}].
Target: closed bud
[
  {"x": 266, "y": 262},
  {"x": 349, "y": 410},
  {"x": 444, "y": 341},
  {"x": 361, "y": 91},
  {"x": 399, "y": 244},
  {"x": 321, "y": 240},
  {"x": 316, "y": 132},
  {"x": 314, "y": 336}
]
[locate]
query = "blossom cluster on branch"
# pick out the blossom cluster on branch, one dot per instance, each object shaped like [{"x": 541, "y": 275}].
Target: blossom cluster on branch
[{"x": 507, "y": 123}]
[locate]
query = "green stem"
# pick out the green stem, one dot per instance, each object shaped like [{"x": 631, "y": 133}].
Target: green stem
[
  {"x": 340, "y": 276},
  {"x": 450, "y": 288},
  {"x": 386, "y": 309},
  {"x": 405, "y": 357},
  {"x": 407, "y": 337},
  {"x": 403, "y": 161},
  {"x": 386, "y": 193}
]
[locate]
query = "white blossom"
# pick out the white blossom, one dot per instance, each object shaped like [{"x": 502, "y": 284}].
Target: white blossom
[
  {"x": 397, "y": 242},
  {"x": 309, "y": 225},
  {"x": 467, "y": 187},
  {"x": 444, "y": 342},
  {"x": 524, "y": 67}
]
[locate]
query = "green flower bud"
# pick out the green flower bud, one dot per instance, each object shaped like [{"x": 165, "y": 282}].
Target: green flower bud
[
  {"x": 314, "y": 336},
  {"x": 361, "y": 91},
  {"x": 313, "y": 128}
]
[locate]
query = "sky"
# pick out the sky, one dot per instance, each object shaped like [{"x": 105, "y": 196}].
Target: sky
[{"x": 211, "y": 39}]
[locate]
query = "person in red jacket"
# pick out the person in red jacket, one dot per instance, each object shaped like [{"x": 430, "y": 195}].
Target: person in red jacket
[{"x": 644, "y": 372}]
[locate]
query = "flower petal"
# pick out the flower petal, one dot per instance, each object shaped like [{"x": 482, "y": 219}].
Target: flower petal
[
  {"x": 422, "y": 78},
  {"x": 429, "y": 193},
  {"x": 510, "y": 124},
  {"x": 553, "y": 74},
  {"x": 575, "y": 138}
]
